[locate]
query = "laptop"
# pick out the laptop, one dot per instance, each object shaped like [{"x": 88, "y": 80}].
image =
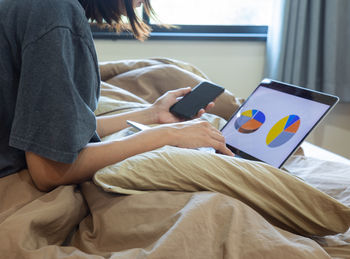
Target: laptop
[
  {"x": 272, "y": 123},
  {"x": 274, "y": 120}
]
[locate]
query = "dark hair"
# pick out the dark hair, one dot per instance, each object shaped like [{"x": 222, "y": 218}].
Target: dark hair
[{"x": 109, "y": 13}]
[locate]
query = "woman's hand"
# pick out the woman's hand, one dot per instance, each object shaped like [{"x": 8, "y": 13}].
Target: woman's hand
[
  {"x": 157, "y": 113},
  {"x": 162, "y": 105},
  {"x": 194, "y": 134}
]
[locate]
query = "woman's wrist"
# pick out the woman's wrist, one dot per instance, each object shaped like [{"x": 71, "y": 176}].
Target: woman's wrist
[
  {"x": 169, "y": 133},
  {"x": 153, "y": 114}
]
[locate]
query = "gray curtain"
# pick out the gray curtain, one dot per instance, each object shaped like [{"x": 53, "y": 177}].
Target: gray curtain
[{"x": 309, "y": 45}]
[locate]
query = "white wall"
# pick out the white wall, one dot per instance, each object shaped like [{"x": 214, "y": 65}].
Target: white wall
[{"x": 238, "y": 66}]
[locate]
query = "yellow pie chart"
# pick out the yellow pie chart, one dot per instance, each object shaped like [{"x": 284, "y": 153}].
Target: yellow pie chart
[{"x": 283, "y": 131}]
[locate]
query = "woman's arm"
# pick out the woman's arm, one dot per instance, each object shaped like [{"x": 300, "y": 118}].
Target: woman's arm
[
  {"x": 48, "y": 174},
  {"x": 109, "y": 124},
  {"x": 157, "y": 113}
]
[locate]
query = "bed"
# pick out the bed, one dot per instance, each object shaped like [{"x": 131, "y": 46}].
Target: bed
[{"x": 140, "y": 209}]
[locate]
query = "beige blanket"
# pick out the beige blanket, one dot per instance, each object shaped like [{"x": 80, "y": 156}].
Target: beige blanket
[{"x": 86, "y": 222}]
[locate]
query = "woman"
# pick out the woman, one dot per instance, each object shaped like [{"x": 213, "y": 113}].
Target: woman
[{"x": 50, "y": 86}]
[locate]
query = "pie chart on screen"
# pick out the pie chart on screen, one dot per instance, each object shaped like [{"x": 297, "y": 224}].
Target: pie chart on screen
[
  {"x": 249, "y": 121},
  {"x": 283, "y": 131}
]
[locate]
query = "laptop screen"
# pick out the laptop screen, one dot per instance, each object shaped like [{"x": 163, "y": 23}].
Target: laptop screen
[{"x": 274, "y": 121}]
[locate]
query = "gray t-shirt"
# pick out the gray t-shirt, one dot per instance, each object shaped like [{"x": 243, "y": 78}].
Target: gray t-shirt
[{"x": 49, "y": 81}]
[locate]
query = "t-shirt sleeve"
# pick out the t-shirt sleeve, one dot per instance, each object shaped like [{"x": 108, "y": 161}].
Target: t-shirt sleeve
[{"x": 57, "y": 94}]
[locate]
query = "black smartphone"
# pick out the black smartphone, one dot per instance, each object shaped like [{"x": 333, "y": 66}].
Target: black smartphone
[{"x": 198, "y": 98}]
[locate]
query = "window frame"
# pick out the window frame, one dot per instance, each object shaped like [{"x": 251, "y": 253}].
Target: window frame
[{"x": 191, "y": 32}]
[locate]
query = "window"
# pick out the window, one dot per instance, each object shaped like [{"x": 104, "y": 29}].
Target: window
[
  {"x": 211, "y": 20},
  {"x": 209, "y": 12}
]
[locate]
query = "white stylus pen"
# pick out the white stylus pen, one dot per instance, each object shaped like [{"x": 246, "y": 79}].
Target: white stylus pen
[{"x": 137, "y": 125}]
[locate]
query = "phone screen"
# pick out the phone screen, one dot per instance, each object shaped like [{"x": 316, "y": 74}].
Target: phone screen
[{"x": 198, "y": 98}]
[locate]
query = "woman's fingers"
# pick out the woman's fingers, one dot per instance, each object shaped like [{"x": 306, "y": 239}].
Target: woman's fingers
[
  {"x": 222, "y": 149},
  {"x": 218, "y": 142},
  {"x": 210, "y": 106},
  {"x": 212, "y": 137},
  {"x": 202, "y": 111},
  {"x": 171, "y": 97},
  {"x": 181, "y": 92},
  {"x": 198, "y": 133}
]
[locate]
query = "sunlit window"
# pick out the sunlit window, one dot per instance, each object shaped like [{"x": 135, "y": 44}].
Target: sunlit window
[
  {"x": 217, "y": 12},
  {"x": 206, "y": 20}
]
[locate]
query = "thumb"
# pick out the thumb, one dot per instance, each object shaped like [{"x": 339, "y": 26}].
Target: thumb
[{"x": 182, "y": 91}]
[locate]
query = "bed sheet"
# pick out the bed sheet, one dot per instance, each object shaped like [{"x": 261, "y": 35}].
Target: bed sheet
[{"x": 82, "y": 221}]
